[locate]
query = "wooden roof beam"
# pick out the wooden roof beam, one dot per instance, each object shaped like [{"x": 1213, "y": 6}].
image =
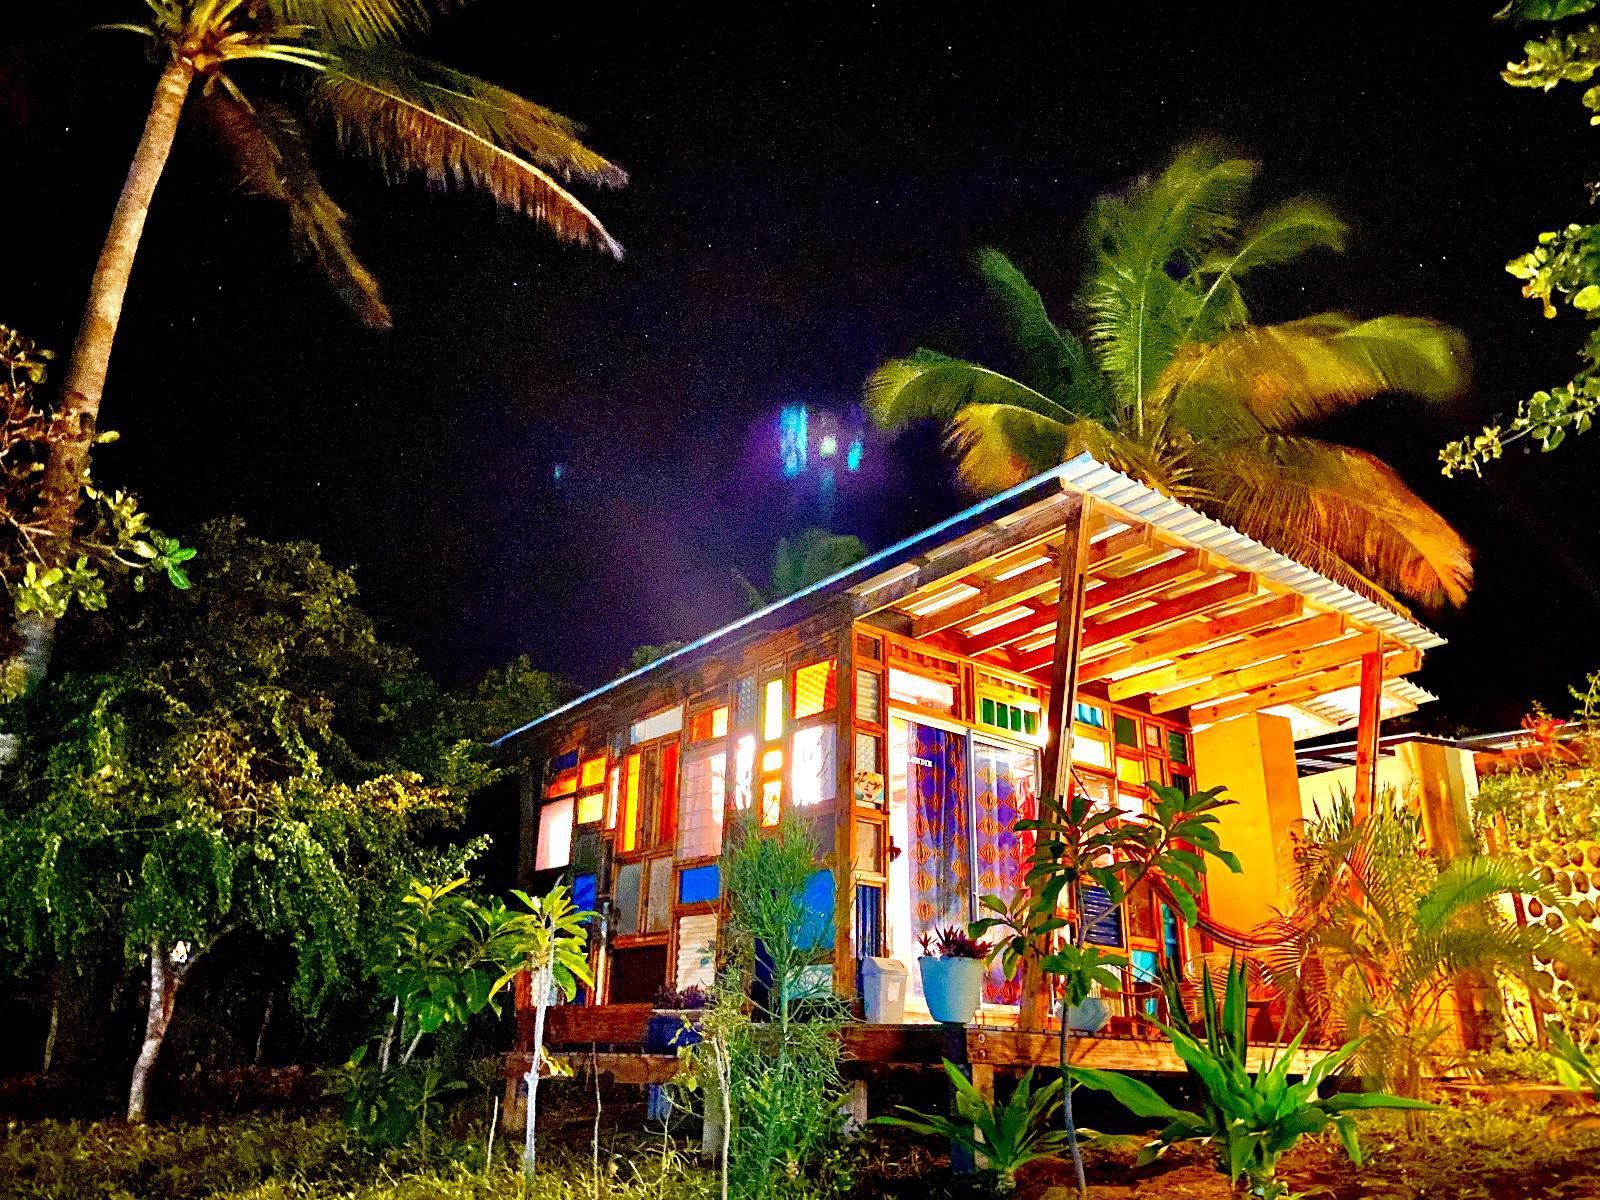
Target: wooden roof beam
[
  {"x": 1046, "y": 577},
  {"x": 1395, "y": 664},
  {"x": 1152, "y": 617},
  {"x": 1193, "y": 635},
  {"x": 1341, "y": 653},
  {"x": 1248, "y": 651}
]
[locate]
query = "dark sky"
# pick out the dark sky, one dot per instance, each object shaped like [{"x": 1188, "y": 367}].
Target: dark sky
[{"x": 808, "y": 183}]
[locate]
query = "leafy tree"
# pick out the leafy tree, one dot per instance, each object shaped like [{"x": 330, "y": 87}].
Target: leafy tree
[
  {"x": 1564, "y": 265},
  {"x": 249, "y": 69},
  {"x": 1176, "y": 386},
  {"x": 1077, "y": 846},
  {"x": 212, "y": 768},
  {"x": 109, "y": 536},
  {"x": 1382, "y": 934},
  {"x": 807, "y": 558}
]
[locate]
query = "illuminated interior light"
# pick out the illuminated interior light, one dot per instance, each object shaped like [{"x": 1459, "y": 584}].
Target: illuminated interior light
[
  {"x": 954, "y": 594},
  {"x": 853, "y": 456},
  {"x": 771, "y": 761},
  {"x": 828, "y": 447}
]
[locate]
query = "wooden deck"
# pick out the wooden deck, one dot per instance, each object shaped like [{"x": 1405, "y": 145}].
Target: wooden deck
[{"x": 611, "y": 1040}]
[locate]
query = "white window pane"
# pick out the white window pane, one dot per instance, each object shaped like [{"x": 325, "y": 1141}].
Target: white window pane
[
  {"x": 658, "y": 725},
  {"x": 700, "y": 818},
  {"x": 626, "y": 901},
  {"x": 815, "y": 771},
  {"x": 697, "y": 950},
  {"x": 555, "y": 836}
]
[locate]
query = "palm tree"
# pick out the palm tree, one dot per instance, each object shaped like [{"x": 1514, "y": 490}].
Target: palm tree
[
  {"x": 251, "y": 67},
  {"x": 1383, "y": 935},
  {"x": 1174, "y": 385}
]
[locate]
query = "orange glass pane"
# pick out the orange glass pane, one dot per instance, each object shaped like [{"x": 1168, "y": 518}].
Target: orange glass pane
[
  {"x": 629, "y": 833},
  {"x": 591, "y": 808},
  {"x": 593, "y": 773},
  {"x": 816, "y": 689},
  {"x": 771, "y": 802},
  {"x": 709, "y": 723},
  {"x": 563, "y": 784},
  {"x": 667, "y": 810}
]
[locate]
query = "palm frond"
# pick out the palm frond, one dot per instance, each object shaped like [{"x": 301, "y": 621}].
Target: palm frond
[
  {"x": 413, "y": 116},
  {"x": 268, "y": 149},
  {"x": 362, "y": 22},
  {"x": 1138, "y": 308},
  {"x": 1280, "y": 235},
  {"x": 1336, "y": 505},
  {"x": 1469, "y": 881},
  {"x": 1279, "y": 377},
  {"x": 1056, "y": 363},
  {"x": 929, "y": 386}
]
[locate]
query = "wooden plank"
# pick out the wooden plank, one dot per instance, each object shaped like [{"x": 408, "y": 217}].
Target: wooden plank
[
  {"x": 1153, "y": 617},
  {"x": 582, "y": 1025},
  {"x": 1313, "y": 631},
  {"x": 994, "y": 596},
  {"x": 1041, "y": 621},
  {"x": 1034, "y": 1002},
  {"x": 1369, "y": 721},
  {"x": 1019, "y": 1049},
  {"x": 1261, "y": 674},
  {"x": 944, "y": 564},
  {"x": 844, "y": 819},
  {"x": 1401, "y": 662},
  {"x": 1190, "y": 635}
]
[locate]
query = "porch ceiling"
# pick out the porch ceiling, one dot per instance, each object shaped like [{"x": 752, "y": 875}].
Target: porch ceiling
[{"x": 1170, "y": 623}]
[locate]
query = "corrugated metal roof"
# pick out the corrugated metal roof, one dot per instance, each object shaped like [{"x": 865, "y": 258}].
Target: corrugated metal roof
[
  {"x": 1141, "y": 502},
  {"x": 1085, "y": 474}
]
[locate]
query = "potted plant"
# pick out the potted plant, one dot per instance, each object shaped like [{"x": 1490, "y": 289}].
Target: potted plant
[{"x": 952, "y": 966}]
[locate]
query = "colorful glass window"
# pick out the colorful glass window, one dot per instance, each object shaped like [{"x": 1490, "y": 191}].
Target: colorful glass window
[
  {"x": 591, "y": 808},
  {"x": 815, "y": 771},
  {"x": 658, "y": 900},
  {"x": 709, "y": 723},
  {"x": 772, "y": 710},
  {"x": 1131, "y": 771},
  {"x": 667, "y": 808},
  {"x": 1178, "y": 747},
  {"x": 921, "y": 692},
  {"x": 815, "y": 689},
  {"x": 704, "y": 788},
  {"x": 869, "y": 847},
  {"x": 593, "y": 774},
  {"x": 629, "y": 833},
  {"x": 555, "y": 836},
  {"x": 661, "y": 724},
  {"x": 697, "y": 951},
  {"x": 869, "y": 697},
  {"x": 744, "y": 703},
  {"x": 744, "y": 773},
  {"x": 1091, "y": 715},
  {"x": 1125, "y": 730},
  {"x": 630, "y": 880},
  {"x": 771, "y": 802},
  {"x": 699, "y": 885}
]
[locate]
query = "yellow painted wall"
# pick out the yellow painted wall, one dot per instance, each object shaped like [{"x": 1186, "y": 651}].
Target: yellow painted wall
[
  {"x": 1253, "y": 756},
  {"x": 1440, "y": 780}
]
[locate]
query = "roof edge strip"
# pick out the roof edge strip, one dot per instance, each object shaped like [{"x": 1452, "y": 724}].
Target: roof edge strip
[{"x": 871, "y": 564}]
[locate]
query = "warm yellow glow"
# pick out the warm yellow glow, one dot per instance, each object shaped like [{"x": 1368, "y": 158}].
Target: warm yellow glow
[
  {"x": 744, "y": 768},
  {"x": 771, "y": 801},
  {"x": 771, "y": 761},
  {"x": 563, "y": 784},
  {"x": 591, "y": 808},
  {"x": 814, "y": 689},
  {"x": 772, "y": 716},
  {"x": 1131, "y": 770},
  {"x": 709, "y": 723},
  {"x": 629, "y": 835}
]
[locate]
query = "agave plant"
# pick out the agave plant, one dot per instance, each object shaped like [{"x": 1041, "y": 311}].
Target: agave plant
[
  {"x": 1173, "y": 384},
  {"x": 1003, "y": 1137},
  {"x": 1250, "y": 1120}
]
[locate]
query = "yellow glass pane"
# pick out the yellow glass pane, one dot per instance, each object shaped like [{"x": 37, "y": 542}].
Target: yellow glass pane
[
  {"x": 630, "y": 806},
  {"x": 593, "y": 773},
  {"x": 719, "y": 721},
  {"x": 591, "y": 808},
  {"x": 1131, "y": 770},
  {"x": 815, "y": 689},
  {"x": 771, "y": 761},
  {"x": 772, "y": 716},
  {"x": 771, "y": 801}
]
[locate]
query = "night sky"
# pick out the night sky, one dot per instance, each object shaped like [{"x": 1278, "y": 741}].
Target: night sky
[{"x": 556, "y": 454}]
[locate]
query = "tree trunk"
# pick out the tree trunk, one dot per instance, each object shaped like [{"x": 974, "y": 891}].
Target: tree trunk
[
  {"x": 85, "y": 379},
  {"x": 165, "y": 979},
  {"x": 541, "y": 1001}
]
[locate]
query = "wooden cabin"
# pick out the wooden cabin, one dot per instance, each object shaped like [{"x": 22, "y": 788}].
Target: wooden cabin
[{"x": 1078, "y": 630}]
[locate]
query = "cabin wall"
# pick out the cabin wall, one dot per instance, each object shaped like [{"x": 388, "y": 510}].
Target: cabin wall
[
  {"x": 1440, "y": 780},
  {"x": 1253, "y": 757}
]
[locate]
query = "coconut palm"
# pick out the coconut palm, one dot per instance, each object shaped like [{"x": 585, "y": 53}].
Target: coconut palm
[
  {"x": 250, "y": 69},
  {"x": 1383, "y": 936},
  {"x": 1173, "y": 384}
]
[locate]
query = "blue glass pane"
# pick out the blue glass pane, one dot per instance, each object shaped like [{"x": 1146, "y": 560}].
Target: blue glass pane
[
  {"x": 585, "y": 890},
  {"x": 816, "y": 925},
  {"x": 1105, "y": 918},
  {"x": 699, "y": 885},
  {"x": 564, "y": 762}
]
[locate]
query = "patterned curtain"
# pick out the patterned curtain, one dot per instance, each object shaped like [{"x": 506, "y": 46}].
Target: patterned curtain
[
  {"x": 1005, "y": 794},
  {"x": 941, "y": 887}
]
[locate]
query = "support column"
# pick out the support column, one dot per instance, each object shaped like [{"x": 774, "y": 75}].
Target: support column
[
  {"x": 1034, "y": 1009},
  {"x": 1368, "y": 724},
  {"x": 844, "y": 820}
]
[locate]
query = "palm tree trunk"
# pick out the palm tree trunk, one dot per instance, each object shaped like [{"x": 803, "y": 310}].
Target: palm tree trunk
[{"x": 85, "y": 379}]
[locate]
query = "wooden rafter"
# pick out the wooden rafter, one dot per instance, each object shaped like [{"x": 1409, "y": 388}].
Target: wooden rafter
[
  {"x": 1246, "y": 652},
  {"x": 1194, "y": 634},
  {"x": 994, "y": 595},
  {"x": 1287, "y": 667},
  {"x": 1295, "y": 691}
]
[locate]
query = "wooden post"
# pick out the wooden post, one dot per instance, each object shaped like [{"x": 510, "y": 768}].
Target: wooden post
[
  {"x": 1034, "y": 1009},
  {"x": 1368, "y": 723},
  {"x": 844, "y": 820}
]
